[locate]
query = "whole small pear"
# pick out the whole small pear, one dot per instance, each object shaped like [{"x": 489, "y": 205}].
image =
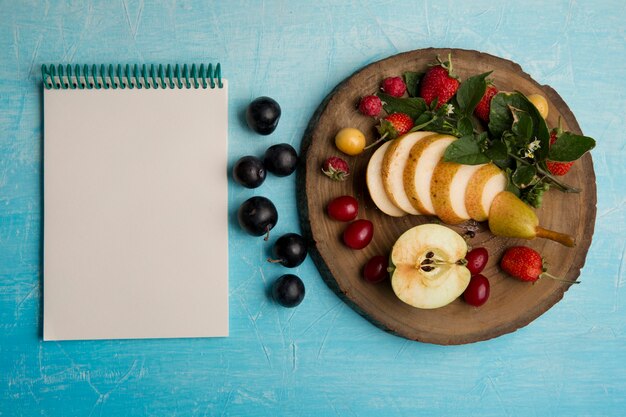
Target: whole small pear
[{"x": 511, "y": 217}]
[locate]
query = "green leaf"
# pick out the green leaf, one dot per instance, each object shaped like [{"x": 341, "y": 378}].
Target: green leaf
[
  {"x": 412, "y": 79},
  {"x": 414, "y": 106},
  {"x": 569, "y": 147},
  {"x": 524, "y": 176},
  {"x": 523, "y": 124},
  {"x": 471, "y": 91},
  {"x": 497, "y": 151},
  {"x": 501, "y": 119},
  {"x": 465, "y": 151},
  {"x": 464, "y": 126}
]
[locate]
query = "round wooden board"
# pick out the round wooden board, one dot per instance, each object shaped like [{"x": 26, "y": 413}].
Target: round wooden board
[{"x": 512, "y": 304}]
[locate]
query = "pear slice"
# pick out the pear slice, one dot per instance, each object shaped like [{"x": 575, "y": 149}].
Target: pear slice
[
  {"x": 394, "y": 163},
  {"x": 375, "y": 185},
  {"x": 427, "y": 269},
  {"x": 482, "y": 188},
  {"x": 423, "y": 158},
  {"x": 447, "y": 190}
]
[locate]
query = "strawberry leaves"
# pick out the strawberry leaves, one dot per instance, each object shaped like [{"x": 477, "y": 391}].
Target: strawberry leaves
[
  {"x": 470, "y": 92},
  {"x": 569, "y": 147}
]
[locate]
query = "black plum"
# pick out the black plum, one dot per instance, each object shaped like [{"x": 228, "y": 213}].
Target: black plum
[
  {"x": 290, "y": 250},
  {"x": 249, "y": 171},
  {"x": 257, "y": 216},
  {"x": 281, "y": 159},
  {"x": 288, "y": 290},
  {"x": 263, "y": 115}
]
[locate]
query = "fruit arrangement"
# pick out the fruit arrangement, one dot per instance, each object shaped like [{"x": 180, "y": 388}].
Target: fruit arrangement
[{"x": 449, "y": 143}]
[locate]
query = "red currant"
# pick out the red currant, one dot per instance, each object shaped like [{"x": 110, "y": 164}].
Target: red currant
[
  {"x": 477, "y": 292},
  {"x": 477, "y": 260}
]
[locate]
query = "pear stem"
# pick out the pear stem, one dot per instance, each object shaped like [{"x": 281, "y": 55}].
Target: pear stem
[{"x": 561, "y": 238}]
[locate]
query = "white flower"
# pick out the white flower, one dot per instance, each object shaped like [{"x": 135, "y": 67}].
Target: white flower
[
  {"x": 449, "y": 109},
  {"x": 529, "y": 152}
]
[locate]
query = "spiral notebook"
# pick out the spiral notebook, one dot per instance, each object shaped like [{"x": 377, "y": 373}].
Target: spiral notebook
[{"x": 135, "y": 202}]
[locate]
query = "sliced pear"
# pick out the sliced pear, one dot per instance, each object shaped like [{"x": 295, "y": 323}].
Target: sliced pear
[
  {"x": 394, "y": 162},
  {"x": 422, "y": 160},
  {"x": 447, "y": 190},
  {"x": 425, "y": 269},
  {"x": 482, "y": 188},
  {"x": 375, "y": 185}
]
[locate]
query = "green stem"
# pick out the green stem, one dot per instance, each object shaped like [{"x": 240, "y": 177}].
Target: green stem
[{"x": 562, "y": 186}]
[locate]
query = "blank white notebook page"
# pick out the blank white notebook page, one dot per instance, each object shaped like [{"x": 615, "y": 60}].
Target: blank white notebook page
[{"x": 135, "y": 213}]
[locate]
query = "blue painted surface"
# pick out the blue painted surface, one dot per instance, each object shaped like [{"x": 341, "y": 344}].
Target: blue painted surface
[{"x": 320, "y": 358}]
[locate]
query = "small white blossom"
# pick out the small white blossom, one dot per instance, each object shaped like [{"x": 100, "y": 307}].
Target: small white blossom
[
  {"x": 449, "y": 109},
  {"x": 529, "y": 152}
]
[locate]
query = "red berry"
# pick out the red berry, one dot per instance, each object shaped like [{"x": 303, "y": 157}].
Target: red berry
[
  {"x": 394, "y": 86},
  {"x": 394, "y": 125},
  {"x": 358, "y": 234},
  {"x": 344, "y": 208},
  {"x": 439, "y": 83},
  {"x": 557, "y": 168},
  {"x": 375, "y": 269},
  {"x": 336, "y": 168},
  {"x": 523, "y": 263},
  {"x": 370, "y": 106},
  {"x": 477, "y": 292},
  {"x": 484, "y": 105},
  {"x": 477, "y": 260}
]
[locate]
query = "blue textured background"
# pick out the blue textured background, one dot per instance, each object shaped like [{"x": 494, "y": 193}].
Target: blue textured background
[{"x": 320, "y": 358}]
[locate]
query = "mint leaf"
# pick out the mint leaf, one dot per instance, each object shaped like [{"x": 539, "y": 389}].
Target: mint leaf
[
  {"x": 414, "y": 107},
  {"x": 524, "y": 176},
  {"x": 569, "y": 147},
  {"x": 465, "y": 127},
  {"x": 501, "y": 119},
  {"x": 412, "y": 79},
  {"x": 523, "y": 124},
  {"x": 497, "y": 151},
  {"x": 471, "y": 91},
  {"x": 465, "y": 151}
]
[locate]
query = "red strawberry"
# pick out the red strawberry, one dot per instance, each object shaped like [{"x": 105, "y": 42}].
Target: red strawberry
[
  {"x": 525, "y": 264},
  {"x": 336, "y": 168},
  {"x": 370, "y": 106},
  {"x": 394, "y": 125},
  {"x": 439, "y": 83},
  {"x": 558, "y": 168},
  {"x": 394, "y": 86},
  {"x": 484, "y": 105}
]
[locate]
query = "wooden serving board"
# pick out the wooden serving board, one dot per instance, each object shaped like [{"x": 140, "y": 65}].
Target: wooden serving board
[{"x": 512, "y": 304}]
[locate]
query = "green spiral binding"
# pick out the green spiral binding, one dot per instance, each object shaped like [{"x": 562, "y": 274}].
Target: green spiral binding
[{"x": 64, "y": 77}]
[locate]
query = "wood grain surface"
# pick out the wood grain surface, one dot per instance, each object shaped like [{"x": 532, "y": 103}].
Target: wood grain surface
[{"x": 512, "y": 304}]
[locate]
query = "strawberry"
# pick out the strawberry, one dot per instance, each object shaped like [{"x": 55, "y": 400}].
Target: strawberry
[
  {"x": 394, "y": 125},
  {"x": 370, "y": 106},
  {"x": 439, "y": 83},
  {"x": 558, "y": 168},
  {"x": 525, "y": 264},
  {"x": 484, "y": 105},
  {"x": 394, "y": 86},
  {"x": 336, "y": 168}
]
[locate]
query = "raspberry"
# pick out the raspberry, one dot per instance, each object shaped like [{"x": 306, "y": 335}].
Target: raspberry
[
  {"x": 370, "y": 106},
  {"x": 394, "y": 86}
]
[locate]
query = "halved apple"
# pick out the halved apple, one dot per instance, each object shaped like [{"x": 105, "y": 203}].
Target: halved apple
[
  {"x": 422, "y": 160},
  {"x": 375, "y": 185},
  {"x": 427, "y": 269},
  {"x": 394, "y": 163},
  {"x": 483, "y": 187},
  {"x": 448, "y": 187}
]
